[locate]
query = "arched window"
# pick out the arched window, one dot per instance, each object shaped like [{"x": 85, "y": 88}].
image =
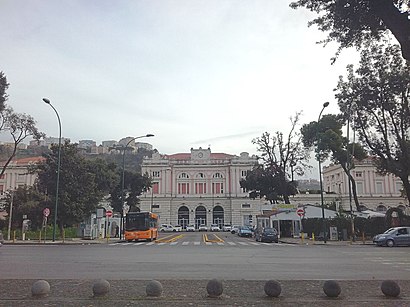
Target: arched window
[
  {"x": 200, "y": 216},
  {"x": 183, "y": 176},
  {"x": 200, "y": 184},
  {"x": 217, "y": 175},
  {"x": 381, "y": 208},
  {"x": 218, "y": 216},
  {"x": 183, "y": 216}
]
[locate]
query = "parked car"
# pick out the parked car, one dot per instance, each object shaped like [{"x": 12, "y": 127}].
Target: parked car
[
  {"x": 266, "y": 235},
  {"x": 190, "y": 227},
  {"x": 177, "y": 228},
  {"x": 168, "y": 228},
  {"x": 393, "y": 237},
  {"x": 215, "y": 227},
  {"x": 235, "y": 228},
  {"x": 226, "y": 228},
  {"x": 202, "y": 227},
  {"x": 245, "y": 231}
]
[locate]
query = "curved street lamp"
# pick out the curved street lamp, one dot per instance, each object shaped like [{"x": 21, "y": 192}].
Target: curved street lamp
[
  {"x": 320, "y": 175},
  {"x": 47, "y": 101},
  {"x": 123, "y": 148}
]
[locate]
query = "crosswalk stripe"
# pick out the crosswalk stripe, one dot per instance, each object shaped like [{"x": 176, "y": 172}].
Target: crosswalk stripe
[{"x": 231, "y": 243}]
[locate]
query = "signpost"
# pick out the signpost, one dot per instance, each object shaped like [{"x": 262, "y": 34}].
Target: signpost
[
  {"x": 301, "y": 213},
  {"x": 108, "y": 214},
  {"x": 46, "y": 213}
]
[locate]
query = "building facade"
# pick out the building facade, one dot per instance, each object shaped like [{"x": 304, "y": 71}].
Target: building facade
[
  {"x": 375, "y": 191},
  {"x": 17, "y": 175},
  {"x": 200, "y": 187}
]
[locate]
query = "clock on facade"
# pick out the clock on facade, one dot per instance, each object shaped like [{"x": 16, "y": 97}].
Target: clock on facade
[{"x": 200, "y": 155}]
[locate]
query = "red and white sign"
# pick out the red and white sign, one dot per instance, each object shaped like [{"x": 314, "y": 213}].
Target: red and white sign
[
  {"x": 300, "y": 212},
  {"x": 46, "y": 212},
  {"x": 108, "y": 213}
]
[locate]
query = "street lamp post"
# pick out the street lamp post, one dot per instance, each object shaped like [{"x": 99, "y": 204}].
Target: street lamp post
[
  {"x": 47, "y": 101},
  {"x": 123, "y": 177},
  {"x": 320, "y": 176}
]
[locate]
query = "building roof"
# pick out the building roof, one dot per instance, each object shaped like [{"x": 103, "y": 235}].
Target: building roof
[
  {"x": 187, "y": 156},
  {"x": 25, "y": 161}
]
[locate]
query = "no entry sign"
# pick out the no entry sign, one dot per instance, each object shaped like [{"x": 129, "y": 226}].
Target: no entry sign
[
  {"x": 300, "y": 211},
  {"x": 108, "y": 213},
  {"x": 46, "y": 212}
]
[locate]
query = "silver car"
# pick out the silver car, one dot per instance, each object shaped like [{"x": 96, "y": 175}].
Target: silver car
[{"x": 393, "y": 237}]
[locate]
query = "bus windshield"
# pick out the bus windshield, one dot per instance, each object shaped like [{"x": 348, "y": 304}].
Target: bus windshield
[{"x": 137, "y": 221}]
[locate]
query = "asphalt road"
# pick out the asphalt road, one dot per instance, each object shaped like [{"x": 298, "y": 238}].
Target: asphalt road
[{"x": 191, "y": 256}]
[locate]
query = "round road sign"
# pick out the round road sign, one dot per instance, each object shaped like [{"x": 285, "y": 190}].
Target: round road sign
[
  {"x": 108, "y": 213},
  {"x": 46, "y": 212},
  {"x": 300, "y": 212}
]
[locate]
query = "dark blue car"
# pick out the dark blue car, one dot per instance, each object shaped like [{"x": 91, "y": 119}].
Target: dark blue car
[{"x": 245, "y": 232}]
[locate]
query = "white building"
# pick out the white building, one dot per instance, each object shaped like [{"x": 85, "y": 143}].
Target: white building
[
  {"x": 200, "y": 187},
  {"x": 17, "y": 175},
  {"x": 375, "y": 191}
]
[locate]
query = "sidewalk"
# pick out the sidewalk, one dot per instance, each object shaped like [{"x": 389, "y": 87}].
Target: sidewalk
[
  {"x": 74, "y": 241},
  {"x": 311, "y": 242},
  {"x": 193, "y": 293}
]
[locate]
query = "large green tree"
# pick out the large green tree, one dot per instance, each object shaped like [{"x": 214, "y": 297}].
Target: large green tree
[
  {"x": 352, "y": 23},
  {"x": 82, "y": 186},
  {"x": 134, "y": 185},
  {"x": 327, "y": 137},
  {"x": 376, "y": 96},
  {"x": 26, "y": 201}
]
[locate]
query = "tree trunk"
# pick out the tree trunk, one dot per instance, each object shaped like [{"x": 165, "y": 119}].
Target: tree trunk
[
  {"x": 354, "y": 192},
  {"x": 352, "y": 182},
  {"x": 406, "y": 186},
  {"x": 398, "y": 23}
]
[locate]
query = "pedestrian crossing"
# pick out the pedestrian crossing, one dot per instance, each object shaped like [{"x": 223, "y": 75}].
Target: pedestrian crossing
[{"x": 197, "y": 243}]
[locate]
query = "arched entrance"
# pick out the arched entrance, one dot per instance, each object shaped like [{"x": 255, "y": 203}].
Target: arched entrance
[
  {"x": 200, "y": 216},
  {"x": 183, "y": 216},
  {"x": 218, "y": 216}
]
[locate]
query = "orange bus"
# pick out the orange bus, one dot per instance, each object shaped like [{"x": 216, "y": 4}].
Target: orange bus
[{"x": 141, "y": 226}]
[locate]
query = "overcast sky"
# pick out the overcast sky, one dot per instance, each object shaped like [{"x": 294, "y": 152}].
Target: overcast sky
[{"x": 194, "y": 73}]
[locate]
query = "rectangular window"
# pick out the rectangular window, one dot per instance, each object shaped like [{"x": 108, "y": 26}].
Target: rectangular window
[
  {"x": 155, "y": 206},
  {"x": 399, "y": 187},
  {"x": 244, "y": 173},
  {"x": 183, "y": 188},
  {"x": 246, "y": 205},
  {"x": 217, "y": 188},
  {"x": 3, "y": 176},
  {"x": 359, "y": 174},
  {"x": 200, "y": 188},
  {"x": 156, "y": 174},
  {"x": 155, "y": 188},
  {"x": 1, "y": 190},
  {"x": 359, "y": 188},
  {"x": 379, "y": 187}
]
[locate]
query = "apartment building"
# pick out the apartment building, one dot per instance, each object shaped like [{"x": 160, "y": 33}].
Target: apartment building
[{"x": 375, "y": 191}]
